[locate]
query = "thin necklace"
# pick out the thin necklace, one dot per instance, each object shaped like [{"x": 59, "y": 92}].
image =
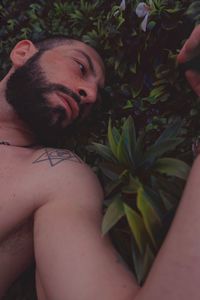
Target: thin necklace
[{"x": 8, "y": 144}]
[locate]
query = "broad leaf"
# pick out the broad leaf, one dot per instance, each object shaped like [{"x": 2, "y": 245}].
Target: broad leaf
[
  {"x": 133, "y": 185},
  {"x": 158, "y": 150},
  {"x": 121, "y": 152},
  {"x": 142, "y": 263},
  {"x": 104, "y": 151},
  {"x": 155, "y": 198},
  {"x": 108, "y": 172},
  {"x": 172, "y": 167},
  {"x": 158, "y": 91},
  {"x": 117, "y": 183},
  {"x": 167, "y": 200},
  {"x": 114, "y": 213},
  {"x": 129, "y": 136},
  {"x": 170, "y": 132},
  {"x": 175, "y": 186},
  {"x": 111, "y": 187},
  {"x": 148, "y": 261},
  {"x": 137, "y": 227},
  {"x": 113, "y": 138},
  {"x": 139, "y": 149},
  {"x": 151, "y": 218}
]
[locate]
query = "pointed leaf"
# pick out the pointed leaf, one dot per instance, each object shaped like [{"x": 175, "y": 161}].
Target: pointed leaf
[
  {"x": 170, "y": 132},
  {"x": 168, "y": 200},
  {"x": 113, "y": 214},
  {"x": 155, "y": 199},
  {"x": 175, "y": 187},
  {"x": 137, "y": 227},
  {"x": 137, "y": 263},
  {"x": 148, "y": 261},
  {"x": 139, "y": 149},
  {"x": 103, "y": 151},
  {"x": 112, "y": 186},
  {"x": 158, "y": 150},
  {"x": 142, "y": 264},
  {"x": 133, "y": 185},
  {"x": 113, "y": 138},
  {"x": 108, "y": 172},
  {"x": 151, "y": 218},
  {"x": 121, "y": 152},
  {"x": 172, "y": 167},
  {"x": 129, "y": 135},
  {"x": 158, "y": 91}
]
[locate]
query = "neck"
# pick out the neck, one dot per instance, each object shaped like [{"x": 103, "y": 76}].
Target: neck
[{"x": 16, "y": 136}]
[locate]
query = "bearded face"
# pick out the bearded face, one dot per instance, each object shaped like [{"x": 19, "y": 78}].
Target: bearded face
[{"x": 28, "y": 92}]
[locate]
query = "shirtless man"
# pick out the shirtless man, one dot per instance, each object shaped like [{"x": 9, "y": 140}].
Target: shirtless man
[
  {"x": 50, "y": 206},
  {"x": 50, "y": 200}
]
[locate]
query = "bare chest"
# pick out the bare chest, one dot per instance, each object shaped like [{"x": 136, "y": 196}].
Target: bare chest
[{"x": 17, "y": 194}]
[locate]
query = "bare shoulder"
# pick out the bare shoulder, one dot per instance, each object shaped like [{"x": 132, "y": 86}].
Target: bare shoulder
[
  {"x": 53, "y": 157},
  {"x": 66, "y": 176}
]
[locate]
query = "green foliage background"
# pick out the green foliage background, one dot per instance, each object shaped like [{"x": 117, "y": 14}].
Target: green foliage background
[{"x": 143, "y": 81}]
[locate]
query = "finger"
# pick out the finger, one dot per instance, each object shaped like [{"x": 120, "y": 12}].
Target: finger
[
  {"x": 191, "y": 47},
  {"x": 193, "y": 78}
]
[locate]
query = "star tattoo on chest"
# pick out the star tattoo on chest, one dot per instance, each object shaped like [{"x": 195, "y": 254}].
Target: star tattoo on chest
[{"x": 57, "y": 156}]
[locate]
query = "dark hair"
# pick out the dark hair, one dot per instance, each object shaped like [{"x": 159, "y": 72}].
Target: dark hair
[{"x": 52, "y": 42}]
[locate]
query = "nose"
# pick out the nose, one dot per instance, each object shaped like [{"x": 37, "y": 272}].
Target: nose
[{"x": 88, "y": 93}]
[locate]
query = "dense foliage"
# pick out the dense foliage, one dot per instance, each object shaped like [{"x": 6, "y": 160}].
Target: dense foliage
[{"x": 142, "y": 156}]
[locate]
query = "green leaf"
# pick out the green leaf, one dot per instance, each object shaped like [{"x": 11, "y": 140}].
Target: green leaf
[
  {"x": 112, "y": 186},
  {"x": 133, "y": 185},
  {"x": 113, "y": 214},
  {"x": 139, "y": 149},
  {"x": 113, "y": 138},
  {"x": 108, "y": 172},
  {"x": 137, "y": 227},
  {"x": 121, "y": 152},
  {"x": 148, "y": 260},
  {"x": 155, "y": 198},
  {"x": 103, "y": 151},
  {"x": 142, "y": 263},
  {"x": 168, "y": 200},
  {"x": 151, "y": 25},
  {"x": 158, "y": 149},
  {"x": 157, "y": 92},
  {"x": 170, "y": 132},
  {"x": 151, "y": 219},
  {"x": 172, "y": 167},
  {"x": 174, "y": 186},
  {"x": 129, "y": 136}
]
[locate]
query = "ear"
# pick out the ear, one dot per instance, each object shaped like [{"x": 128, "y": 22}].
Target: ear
[{"x": 22, "y": 51}]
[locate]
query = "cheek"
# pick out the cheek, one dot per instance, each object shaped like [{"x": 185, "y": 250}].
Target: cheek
[{"x": 59, "y": 73}]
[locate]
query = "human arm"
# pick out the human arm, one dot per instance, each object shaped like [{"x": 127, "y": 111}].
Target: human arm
[
  {"x": 175, "y": 273},
  {"x": 176, "y": 270},
  {"x": 190, "y": 50},
  {"x": 73, "y": 260}
]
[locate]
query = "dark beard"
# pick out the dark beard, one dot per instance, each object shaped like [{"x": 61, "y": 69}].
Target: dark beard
[{"x": 27, "y": 91}]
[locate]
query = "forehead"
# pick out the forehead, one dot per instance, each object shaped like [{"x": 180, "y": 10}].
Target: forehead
[{"x": 80, "y": 49}]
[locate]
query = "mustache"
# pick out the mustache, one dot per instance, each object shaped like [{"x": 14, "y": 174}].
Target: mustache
[
  {"x": 56, "y": 87},
  {"x": 61, "y": 88}
]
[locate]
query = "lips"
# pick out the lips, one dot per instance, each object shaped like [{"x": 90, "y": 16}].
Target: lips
[{"x": 71, "y": 106}]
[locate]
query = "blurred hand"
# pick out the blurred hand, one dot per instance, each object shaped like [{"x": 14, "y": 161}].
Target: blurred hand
[{"x": 190, "y": 50}]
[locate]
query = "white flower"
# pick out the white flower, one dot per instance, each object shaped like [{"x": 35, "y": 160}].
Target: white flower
[
  {"x": 122, "y": 5},
  {"x": 143, "y": 11}
]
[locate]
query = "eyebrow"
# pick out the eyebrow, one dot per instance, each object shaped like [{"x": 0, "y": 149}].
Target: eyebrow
[{"x": 90, "y": 63}]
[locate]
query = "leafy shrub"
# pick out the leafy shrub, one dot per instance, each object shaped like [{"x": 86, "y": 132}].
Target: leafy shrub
[
  {"x": 142, "y": 186},
  {"x": 143, "y": 81}
]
